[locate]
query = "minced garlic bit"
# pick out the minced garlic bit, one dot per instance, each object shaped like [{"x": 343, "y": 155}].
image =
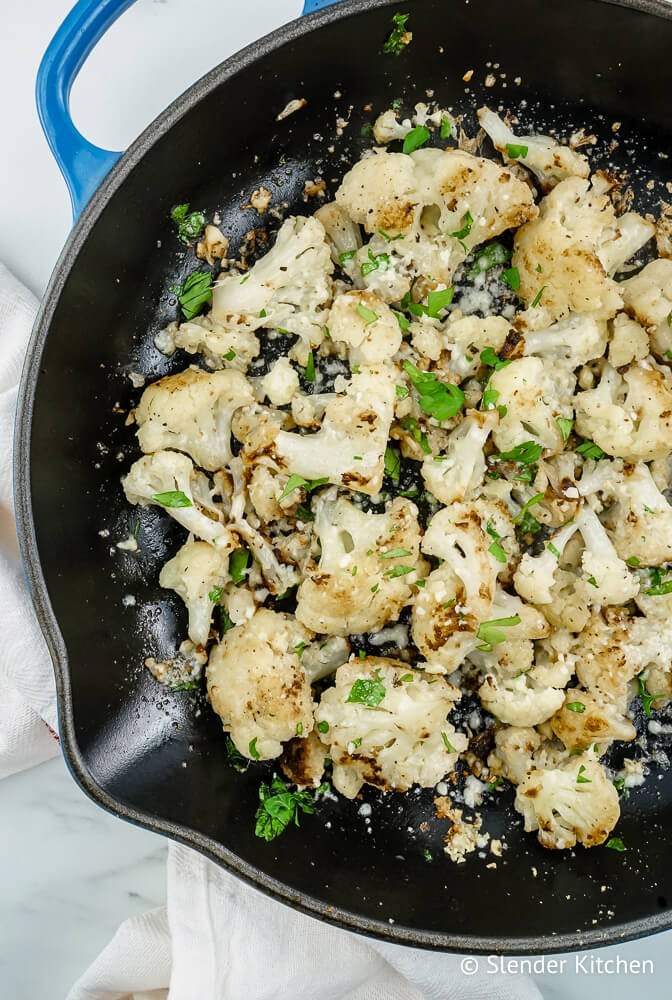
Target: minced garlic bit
[{"x": 291, "y": 108}]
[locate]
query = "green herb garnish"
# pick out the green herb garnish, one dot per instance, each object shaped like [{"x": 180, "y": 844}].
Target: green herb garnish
[
  {"x": 416, "y": 138},
  {"x": 512, "y": 278},
  {"x": 238, "y": 562},
  {"x": 467, "y": 223},
  {"x": 399, "y": 37},
  {"x": 516, "y": 152},
  {"x": 216, "y": 595},
  {"x": 254, "y": 753},
  {"x": 448, "y": 745},
  {"x": 343, "y": 258},
  {"x": 411, "y": 425},
  {"x": 395, "y": 553},
  {"x": 368, "y": 315},
  {"x": 492, "y": 360},
  {"x": 537, "y": 298},
  {"x": 590, "y": 450},
  {"x": 194, "y": 293},
  {"x": 438, "y": 301},
  {"x": 441, "y": 400},
  {"x": 279, "y": 806},
  {"x": 379, "y": 261},
  {"x": 581, "y": 776},
  {"x": 646, "y": 698},
  {"x": 616, "y": 844},
  {"x": 189, "y": 224},
  {"x": 367, "y": 692},
  {"x": 173, "y": 498},
  {"x": 576, "y": 706},
  {"x": 446, "y": 128},
  {"x": 309, "y": 373},
  {"x": 490, "y": 256},
  {"x": 323, "y": 727},
  {"x": 298, "y": 482},
  {"x": 490, "y": 633},
  {"x": 526, "y": 453},
  {"x": 565, "y": 427}
]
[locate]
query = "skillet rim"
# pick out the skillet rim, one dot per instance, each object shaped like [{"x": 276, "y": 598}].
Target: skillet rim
[{"x": 212, "y": 849}]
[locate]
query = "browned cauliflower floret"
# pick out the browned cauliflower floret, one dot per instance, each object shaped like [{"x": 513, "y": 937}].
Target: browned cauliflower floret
[
  {"x": 192, "y": 412},
  {"x": 640, "y": 522},
  {"x": 586, "y": 718},
  {"x": 257, "y": 686},
  {"x": 568, "y": 253},
  {"x": 199, "y": 574},
  {"x": 386, "y": 724},
  {"x": 536, "y": 394},
  {"x": 648, "y": 298},
  {"x": 349, "y": 448},
  {"x": 575, "y": 802},
  {"x": 367, "y": 325},
  {"x": 366, "y": 566},
  {"x": 628, "y": 415}
]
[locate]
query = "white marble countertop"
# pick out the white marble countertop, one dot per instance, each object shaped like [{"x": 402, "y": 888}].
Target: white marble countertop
[{"x": 69, "y": 872}]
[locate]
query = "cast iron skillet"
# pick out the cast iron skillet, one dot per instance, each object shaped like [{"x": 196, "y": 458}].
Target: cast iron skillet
[{"x": 126, "y": 740}]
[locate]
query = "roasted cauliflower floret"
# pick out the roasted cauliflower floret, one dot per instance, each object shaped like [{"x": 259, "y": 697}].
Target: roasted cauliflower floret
[
  {"x": 192, "y": 412},
  {"x": 585, "y": 718},
  {"x": 467, "y": 336},
  {"x": 199, "y": 574},
  {"x": 349, "y": 448},
  {"x": 221, "y": 346},
  {"x": 549, "y": 161},
  {"x": 640, "y": 523},
  {"x": 366, "y": 565},
  {"x": 575, "y": 802},
  {"x": 457, "y": 474},
  {"x": 648, "y": 298},
  {"x": 575, "y": 340},
  {"x": 281, "y": 383},
  {"x": 512, "y": 757},
  {"x": 628, "y": 415},
  {"x": 170, "y": 480},
  {"x": 568, "y": 252},
  {"x": 629, "y": 341},
  {"x": 536, "y": 393},
  {"x": 389, "y": 191},
  {"x": 367, "y": 325},
  {"x": 386, "y": 725},
  {"x": 289, "y": 287},
  {"x": 257, "y": 686}
]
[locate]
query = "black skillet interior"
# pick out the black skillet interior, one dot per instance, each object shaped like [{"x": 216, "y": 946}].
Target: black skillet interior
[{"x": 157, "y": 758}]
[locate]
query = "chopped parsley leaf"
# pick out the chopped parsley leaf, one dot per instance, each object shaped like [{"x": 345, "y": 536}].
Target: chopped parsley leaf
[
  {"x": 646, "y": 698},
  {"x": 441, "y": 400},
  {"x": 392, "y": 464},
  {"x": 553, "y": 550},
  {"x": 590, "y": 450},
  {"x": 343, "y": 258},
  {"x": 407, "y": 678},
  {"x": 448, "y": 745},
  {"x": 537, "y": 298},
  {"x": 216, "y": 595},
  {"x": 189, "y": 224},
  {"x": 238, "y": 563},
  {"x": 404, "y": 323},
  {"x": 367, "y": 692},
  {"x": 368, "y": 315},
  {"x": 391, "y": 574},
  {"x": 516, "y": 152},
  {"x": 632, "y": 561},
  {"x": 379, "y": 261},
  {"x": 298, "y": 482},
  {"x": 416, "y": 138},
  {"x": 490, "y": 633},
  {"x": 399, "y": 37},
  {"x": 581, "y": 776},
  {"x": 492, "y": 360},
  {"x": 323, "y": 727},
  {"x": 279, "y": 807},
  {"x": 309, "y": 373},
  {"x": 616, "y": 844},
  {"x": 467, "y": 223},
  {"x": 173, "y": 498},
  {"x": 576, "y": 706},
  {"x": 254, "y": 753},
  {"x": 194, "y": 293},
  {"x": 526, "y": 453},
  {"x": 446, "y": 128},
  {"x": 564, "y": 426},
  {"x": 395, "y": 553},
  {"x": 512, "y": 278}
]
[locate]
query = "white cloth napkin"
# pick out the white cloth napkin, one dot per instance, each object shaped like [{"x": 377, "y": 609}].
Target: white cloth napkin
[{"x": 216, "y": 939}]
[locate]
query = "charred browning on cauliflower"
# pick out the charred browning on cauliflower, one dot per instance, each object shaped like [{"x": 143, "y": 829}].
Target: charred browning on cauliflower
[
  {"x": 257, "y": 686},
  {"x": 386, "y": 725}
]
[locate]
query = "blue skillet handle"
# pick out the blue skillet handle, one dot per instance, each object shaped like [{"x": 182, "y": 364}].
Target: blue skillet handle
[
  {"x": 310, "y": 6},
  {"x": 82, "y": 164}
]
